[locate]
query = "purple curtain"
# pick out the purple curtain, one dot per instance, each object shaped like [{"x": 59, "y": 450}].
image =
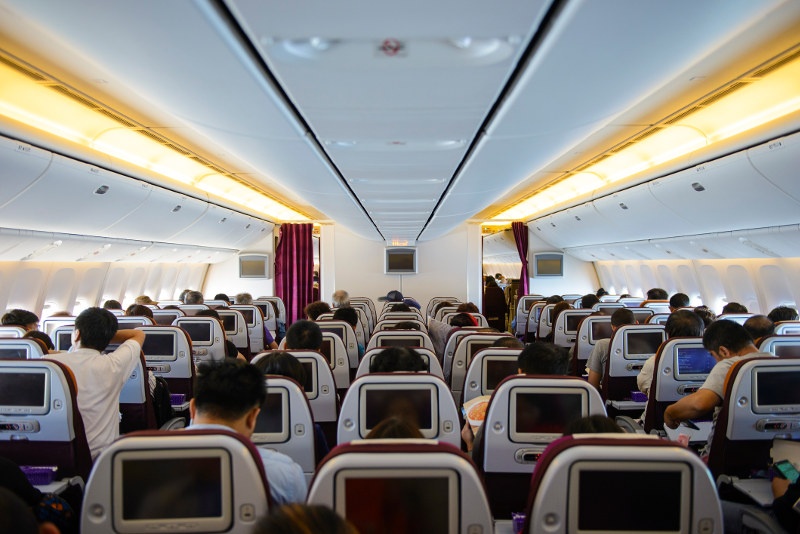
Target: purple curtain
[
  {"x": 294, "y": 266},
  {"x": 521, "y": 239}
]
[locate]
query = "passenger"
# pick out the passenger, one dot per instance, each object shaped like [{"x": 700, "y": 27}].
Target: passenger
[
  {"x": 734, "y": 307},
  {"x": 405, "y": 325},
  {"x": 467, "y": 307},
  {"x": 681, "y": 323},
  {"x": 657, "y": 293},
  {"x": 112, "y": 304},
  {"x": 396, "y": 296},
  {"x": 784, "y": 506},
  {"x": 231, "y": 351},
  {"x": 783, "y": 313},
  {"x": 394, "y": 427},
  {"x": 394, "y": 359},
  {"x": 729, "y": 343},
  {"x": 304, "y": 334},
  {"x": 243, "y": 298},
  {"x": 45, "y": 340},
  {"x": 400, "y": 307},
  {"x": 678, "y": 300},
  {"x": 597, "y": 359},
  {"x": 223, "y": 297},
  {"x": 439, "y": 331},
  {"x": 588, "y": 301},
  {"x": 706, "y": 315},
  {"x": 100, "y": 377},
  {"x": 182, "y": 296},
  {"x": 508, "y": 342},
  {"x": 340, "y": 298},
  {"x": 759, "y": 326},
  {"x": 315, "y": 309},
  {"x": 303, "y": 519},
  {"x": 554, "y": 299},
  {"x": 193, "y": 297},
  {"x": 593, "y": 424},
  {"x": 601, "y": 293},
  {"x": 139, "y": 310},
  {"x": 144, "y": 300},
  {"x": 23, "y": 318},
  {"x": 350, "y": 316},
  {"x": 229, "y": 396},
  {"x": 495, "y": 306}
]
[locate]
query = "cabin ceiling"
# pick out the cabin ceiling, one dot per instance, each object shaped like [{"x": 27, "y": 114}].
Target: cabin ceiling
[{"x": 398, "y": 121}]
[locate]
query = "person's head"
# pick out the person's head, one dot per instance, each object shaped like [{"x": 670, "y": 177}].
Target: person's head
[
  {"x": 400, "y": 307},
  {"x": 463, "y": 319},
  {"x": 393, "y": 296},
  {"x": 759, "y": 326},
  {"x": 182, "y": 296},
  {"x": 684, "y": 323},
  {"x": 24, "y": 318},
  {"x": 112, "y": 304},
  {"x": 315, "y": 309},
  {"x": 94, "y": 328},
  {"x": 539, "y": 358},
  {"x": 734, "y": 307},
  {"x": 346, "y": 314},
  {"x": 144, "y": 300},
  {"x": 560, "y": 307},
  {"x": 725, "y": 338},
  {"x": 41, "y": 336},
  {"x": 783, "y": 313},
  {"x": 678, "y": 300},
  {"x": 553, "y": 299},
  {"x": 194, "y": 297},
  {"x": 509, "y": 342},
  {"x": 491, "y": 282},
  {"x": 589, "y": 300},
  {"x": 394, "y": 427},
  {"x": 243, "y": 298},
  {"x": 223, "y": 297},
  {"x": 405, "y": 325},
  {"x": 304, "y": 334},
  {"x": 592, "y": 424},
  {"x": 440, "y": 305},
  {"x": 622, "y": 316},
  {"x": 467, "y": 307},
  {"x": 284, "y": 364},
  {"x": 340, "y": 298},
  {"x": 229, "y": 392},
  {"x": 393, "y": 359},
  {"x": 706, "y": 315},
  {"x": 15, "y": 516},
  {"x": 303, "y": 519},
  {"x": 601, "y": 292},
  {"x": 208, "y": 313},
  {"x": 656, "y": 293},
  {"x": 139, "y": 310}
]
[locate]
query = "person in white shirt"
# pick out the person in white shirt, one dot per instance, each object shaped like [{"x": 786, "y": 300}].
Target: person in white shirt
[{"x": 99, "y": 377}]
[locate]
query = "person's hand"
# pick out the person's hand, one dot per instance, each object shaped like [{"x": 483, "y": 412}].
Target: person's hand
[
  {"x": 467, "y": 435},
  {"x": 779, "y": 486},
  {"x": 670, "y": 422}
]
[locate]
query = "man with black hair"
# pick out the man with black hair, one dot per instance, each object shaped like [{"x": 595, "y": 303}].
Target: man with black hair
[
  {"x": 304, "y": 334},
  {"x": 100, "y": 377},
  {"x": 589, "y": 300},
  {"x": 229, "y": 396},
  {"x": 656, "y": 293},
  {"x": 759, "y": 326},
  {"x": 734, "y": 307},
  {"x": 350, "y": 316},
  {"x": 22, "y": 318},
  {"x": 597, "y": 359},
  {"x": 540, "y": 358},
  {"x": 783, "y": 313},
  {"x": 678, "y": 301},
  {"x": 728, "y": 342},
  {"x": 393, "y": 359}
]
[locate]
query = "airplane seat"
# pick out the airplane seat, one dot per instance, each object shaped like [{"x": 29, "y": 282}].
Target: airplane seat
[
  {"x": 365, "y": 316},
  {"x": 522, "y": 311},
  {"x": 441, "y": 312},
  {"x": 49, "y": 324},
  {"x": 388, "y": 324},
  {"x": 596, "y": 483},
  {"x": 420, "y": 396},
  {"x": 680, "y": 368},
  {"x": 187, "y": 481},
  {"x": 658, "y": 306},
  {"x": 320, "y": 389},
  {"x": 566, "y": 327},
  {"x": 428, "y": 355},
  {"x": 399, "y": 338},
  {"x": 436, "y": 300},
  {"x": 401, "y": 315},
  {"x": 482, "y": 322},
  {"x": 324, "y": 316},
  {"x": 368, "y": 305},
  {"x": 191, "y": 309},
  {"x": 41, "y": 424},
  {"x": 455, "y": 370},
  {"x": 488, "y": 368},
  {"x": 135, "y": 402},
  {"x": 760, "y": 404},
  {"x": 271, "y": 317},
  {"x": 532, "y": 327},
  {"x": 736, "y": 317},
  {"x": 348, "y": 337},
  {"x": 167, "y": 317},
  {"x": 207, "y": 336},
  {"x": 783, "y": 328},
  {"x": 254, "y": 319},
  {"x": 524, "y": 415},
  {"x": 236, "y": 330},
  {"x": 658, "y": 318},
  {"x": 782, "y": 346},
  {"x": 590, "y": 331},
  {"x": 12, "y": 348},
  {"x": 545, "y": 324},
  {"x": 168, "y": 354},
  {"x": 409, "y": 485},
  {"x": 11, "y": 331},
  {"x": 631, "y": 345},
  {"x": 285, "y": 423}
]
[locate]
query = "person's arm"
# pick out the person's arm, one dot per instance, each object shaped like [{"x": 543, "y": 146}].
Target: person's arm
[
  {"x": 698, "y": 404},
  {"x": 645, "y": 377},
  {"x": 595, "y": 378},
  {"x": 124, "y": 335}
]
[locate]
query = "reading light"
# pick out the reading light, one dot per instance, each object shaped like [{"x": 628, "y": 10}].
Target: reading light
[
  {"x": 753, "y": 103},
  {"x": 44, "y": 104}
]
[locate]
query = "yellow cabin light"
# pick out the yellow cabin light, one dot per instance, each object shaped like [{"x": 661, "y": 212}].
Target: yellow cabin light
[{"x": 586, "y": 182}]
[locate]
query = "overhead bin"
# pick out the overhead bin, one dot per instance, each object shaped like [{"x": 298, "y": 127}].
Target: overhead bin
[
  {"x": 778, "y": 162},
  {"x": 636, "y": 214},
  {"x": 572, "y": 227},
  {"x": 725, "y": 194},
  {"x": 22, "y": 165},
  {"x": 165, "y": 214}
]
